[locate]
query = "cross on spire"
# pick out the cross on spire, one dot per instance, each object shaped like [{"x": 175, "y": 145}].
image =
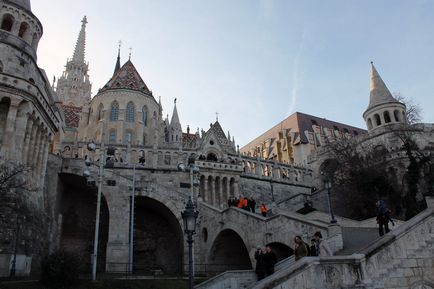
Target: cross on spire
[
  {"x": 129, "y": 56},
  {"x": 84, "y": 21},
  {"x": 216, "y": 116}
]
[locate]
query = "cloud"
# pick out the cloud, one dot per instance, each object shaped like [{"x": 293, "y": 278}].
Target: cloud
[{"x": 297, "y": 75}]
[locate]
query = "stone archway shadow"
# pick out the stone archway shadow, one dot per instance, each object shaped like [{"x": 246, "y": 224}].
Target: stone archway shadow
[{"x": 281, "y": 250}]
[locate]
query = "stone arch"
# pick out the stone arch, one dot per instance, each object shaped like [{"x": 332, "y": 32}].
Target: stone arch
[
  {"x": 211, "y": 156},
  {"x": 370, "y": 123},
  {"x": 159, "y": 242},
  {"x": 100, "y": 112},
  {"x": 377, "y": 119},
  {"x": 130, "y": 112},
  {"x": 114, "y": 111},
  {"x": 396, "y": 115},
  {"x": 228, "y": 252},
  {"x": 281, "y": 250},
  {"x": 386, "y": 116},
  {"x": 77, "y": 206},
  {"x": 4, "y": 110},
  {"x": 7, "y": 22},
  {"x": 23, "y": 32}
]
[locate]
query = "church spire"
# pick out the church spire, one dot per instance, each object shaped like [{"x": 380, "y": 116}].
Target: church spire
[
  {"x": 118, "y": 61},
  {"x": 78, "y": 56},
  {"x": 379, "y": 91},
  {"x": 175, "y": 119}
]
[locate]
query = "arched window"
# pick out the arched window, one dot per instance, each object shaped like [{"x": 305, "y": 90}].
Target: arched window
[
  {"x": 112, "y": 137},
  {"x": 7, "y": 22},
  {"x": 114, "y": 112},
  {"x": 35, "y": 40},
  {"x": 129, "y": 117},
  {"x": 24, "y": 27},
  {"x": 144, "y": 139},
  {"x": 145, "y": 116},
  {"x": 377, "y": 119},
  {"x": 100, "y": 113},
  {"x": 369, "y": 123},
  {"x": 396, "y": 114},
  {"x": 386, "y": 117},
  {"x": 128, "y": 137}
]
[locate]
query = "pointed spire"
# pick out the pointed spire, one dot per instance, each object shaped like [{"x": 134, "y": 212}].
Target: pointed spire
[
  {"x": 175, "y": 118},
  {"x": 379, "y": 91},
  {"x": 118, "y": 61},
  {"x": 81, "y": 43},
  {"x": 229, "y": 136}
]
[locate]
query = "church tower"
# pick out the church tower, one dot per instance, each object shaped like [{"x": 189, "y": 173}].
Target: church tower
[
  {"x": 175, "y": 130},
  {"x": 74, "y": 87},
  {"x": 383, "y": 109}
]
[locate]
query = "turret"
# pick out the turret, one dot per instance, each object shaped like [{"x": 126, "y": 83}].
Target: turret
[
  {"x": 175, "y": 127},
  {"x": 383, "y": 109}
]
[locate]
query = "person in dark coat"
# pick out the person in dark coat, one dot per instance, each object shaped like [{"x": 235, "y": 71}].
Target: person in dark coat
[
  {"x": 270, "y": 261},
  {"x": 260, "y": 263},
  {"x": 383, "y": 217},
  {"x": 313, "y": 251},
  {"x": 252, "y": 204}
]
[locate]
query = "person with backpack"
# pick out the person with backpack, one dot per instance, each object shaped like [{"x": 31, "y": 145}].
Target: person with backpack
[{"x": 383, "y": 217}]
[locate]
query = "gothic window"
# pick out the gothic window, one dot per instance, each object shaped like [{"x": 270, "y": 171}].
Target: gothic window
[
  {"x": 145, "y": 115},
  {"x": 24, "y": 27},
  {"x": 100, "y": 111},
  {"x": 129, "y": 117},
  {"x": 114, "y": 111},
  {"x": 386, "y": 117},
  {"x": 112, "y": 137},
  {"x": 7, "y": 22},
  {"x": 128, "y": 137}
]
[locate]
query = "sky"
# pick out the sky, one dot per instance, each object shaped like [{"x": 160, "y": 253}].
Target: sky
[{"x": 254, "y": 62}]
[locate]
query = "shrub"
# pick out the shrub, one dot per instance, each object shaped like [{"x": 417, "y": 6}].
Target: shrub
[{"x": 60, "y": 270}]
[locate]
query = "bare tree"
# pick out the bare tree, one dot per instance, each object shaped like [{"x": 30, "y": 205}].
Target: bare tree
[{"x": 413, "y": 110}]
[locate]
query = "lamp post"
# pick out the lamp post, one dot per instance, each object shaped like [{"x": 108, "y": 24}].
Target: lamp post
[
  {"x": 328, "y": 186},
  {"x": 92, "y": 147},
  {"x": 189, "y": 215}
]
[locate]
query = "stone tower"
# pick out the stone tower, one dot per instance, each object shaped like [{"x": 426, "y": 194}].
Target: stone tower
[
  {"x": 175, "y": 130},
  {"x": 383, "y": 109},
  {"x": 28, "y": 121},
  {"x": 74, "y": 87}
]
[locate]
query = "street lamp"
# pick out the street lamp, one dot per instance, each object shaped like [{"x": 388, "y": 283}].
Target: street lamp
[
  {"x": 328, "y": 186},
  {"x": 189, "y": 215}
]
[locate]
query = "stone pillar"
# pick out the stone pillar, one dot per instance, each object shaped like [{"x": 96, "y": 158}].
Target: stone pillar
[
  {"x": 205, "y": 189},
  {"x": 44, "y": 160},
  {"x": 37, "y": 152},
  {"x": 31, "y": 144},
  {"x": 8, "y": 148},
  {"x": 27, "y": 140},
  {"x": 220, "y": 192},
  {"x": 258, "y": 168},
  {"x": 212, "y": 192},
  {"x": 21, "y": 132}
]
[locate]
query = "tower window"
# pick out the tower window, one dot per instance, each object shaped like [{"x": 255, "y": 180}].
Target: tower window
[
  {"x": 128, "y": 137},
  {"x": 24, "y": 27},
  {"x": 114, "y": 112},
  {"x": 386, "y": 117},
  {"x": 396, "y": 114},
  {"x": 377, "y": 119},
  {"x": 7, "y": 22},
  {"x": 145, "y": 115},
  {"x": 130, "y": 112}
]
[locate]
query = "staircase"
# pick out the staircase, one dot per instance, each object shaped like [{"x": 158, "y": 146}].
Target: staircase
[{"x": 355, "y": 239}]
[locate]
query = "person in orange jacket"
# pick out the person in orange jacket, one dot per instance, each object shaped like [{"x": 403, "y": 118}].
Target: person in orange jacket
[
  {"x": 240, "y": 202},
  {"x": 264, "y": 210},
  {"x": 246, "y": 204}
]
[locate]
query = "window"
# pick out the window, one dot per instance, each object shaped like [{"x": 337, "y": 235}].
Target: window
[
  {"x": 396, "y": 114},
  {"x": 112, "y": 137},
  {"x": 23, "y": 29},
  {"x": 369, "y": 123},
  {"x": 129, "y": 117},
  {"x": 100, "y": 111},
  {"x": 145, "y": 116},
  {"x": 313, "y": 122},
  {"x": 386, "y": 117},
  {"x": 128, "y": 137},
  {"x": 114, "y": 112},
  {"x": 377, "y": 119},
  {"x": 7, "y": 22}
]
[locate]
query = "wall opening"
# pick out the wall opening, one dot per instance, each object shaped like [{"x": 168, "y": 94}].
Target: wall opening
[{"x": 7, "y": 22}]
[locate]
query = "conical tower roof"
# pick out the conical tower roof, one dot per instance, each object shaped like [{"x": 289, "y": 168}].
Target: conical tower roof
[
  {"x": 175, "y": 118},
  {"x": 80, "y": 46},
  {"x": 127, "y": 77},
  {"x": 22, "y": 3},
  {"x": 379, "y": 92}
]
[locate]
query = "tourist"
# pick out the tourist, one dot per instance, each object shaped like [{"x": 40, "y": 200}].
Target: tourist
[
  {"x": 270, "y": 261},
  {"x": 383, "y": 217},
  {"x": 240, "y": 202},
  {"x": 264, "y": 210},
  {"x": 260, "y": 263},
  {"x": 322, "y": 249},
  {"x": 230, "y": 202},
  {"x": 313, "y": 251},
  {"x": 300, "y": 249},
  {"x": 252, "y": 204},
  {"x": 246, "y": 204}
]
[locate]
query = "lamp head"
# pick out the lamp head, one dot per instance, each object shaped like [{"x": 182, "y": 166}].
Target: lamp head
[{"x": 91, "y": 146}]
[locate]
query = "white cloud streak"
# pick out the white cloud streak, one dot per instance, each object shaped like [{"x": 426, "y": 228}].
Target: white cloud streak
[{"x": 296, "y": 75}]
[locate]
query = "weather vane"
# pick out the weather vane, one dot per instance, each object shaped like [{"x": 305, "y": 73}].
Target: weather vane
[
  {"x": 217, "y": 116},
  {"x": 129, "y": 57}
]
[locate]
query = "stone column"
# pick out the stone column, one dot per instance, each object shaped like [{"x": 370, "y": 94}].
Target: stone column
[
  {"x": 205, "y": 189},
  {"x": 44, "y": 159},
  {"x": 8, "y": 148},
  {"x": 21, "y": 131},
  {"x": 31, "y": 144},
  {"x": 37, "y": 151},
  {"x": 220, "y": 192},
  {"x": 228, "y": 189},
  {"x": 27, "y": 140},
  {"x": 212, "y": 192}
]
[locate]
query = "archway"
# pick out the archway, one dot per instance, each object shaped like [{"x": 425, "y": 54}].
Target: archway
[
  {"x": 78, "y": 207},
  {"x": 228, "y": 252},
  {"x": 158, "y": 238},
  {"x": 281, "y": 250}
]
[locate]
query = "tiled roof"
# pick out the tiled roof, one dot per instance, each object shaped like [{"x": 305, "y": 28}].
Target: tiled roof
[
  {"x": 127, "y": 77},
  {"x": 72, "y": 115},
  {"x": 189, "y": 140}
]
